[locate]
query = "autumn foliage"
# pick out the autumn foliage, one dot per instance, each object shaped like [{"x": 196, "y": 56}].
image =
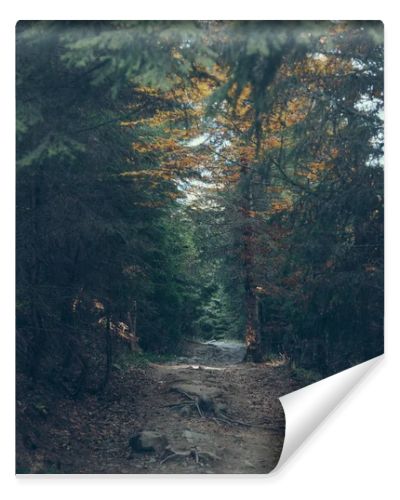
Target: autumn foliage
[{"x": 198, "y": 179}]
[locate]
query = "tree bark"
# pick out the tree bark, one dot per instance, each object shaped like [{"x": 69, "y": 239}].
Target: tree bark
[
  {"x": 252, "y": 335},
  {"x": 132, "y": 326}
]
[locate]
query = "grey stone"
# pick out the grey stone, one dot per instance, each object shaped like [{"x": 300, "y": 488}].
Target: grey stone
[
  {"x": 149, "y": 441},
  {"x": 185, "y": 411},
  {"x": 193, "y": 437}
]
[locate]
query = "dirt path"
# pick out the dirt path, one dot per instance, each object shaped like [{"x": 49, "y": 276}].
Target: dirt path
[{"x": 211, "y": 413}]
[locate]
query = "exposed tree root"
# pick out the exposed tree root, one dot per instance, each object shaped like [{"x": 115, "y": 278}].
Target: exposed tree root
[
  {"x": 193, "y": 452},
  {"x": 193, "y": 401},
  {"x": 204, "y": 406}
]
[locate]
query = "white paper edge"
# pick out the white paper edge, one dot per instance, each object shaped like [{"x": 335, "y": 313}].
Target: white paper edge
[{"x": 307, "y": 408}]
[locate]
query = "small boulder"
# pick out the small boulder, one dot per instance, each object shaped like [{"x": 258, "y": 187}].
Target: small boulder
[
  {"x": 146, "y": 441},
  {"x": 185, "y": 411}
]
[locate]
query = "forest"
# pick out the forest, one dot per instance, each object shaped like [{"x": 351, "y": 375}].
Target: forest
[{"x": 197, "y": 181}]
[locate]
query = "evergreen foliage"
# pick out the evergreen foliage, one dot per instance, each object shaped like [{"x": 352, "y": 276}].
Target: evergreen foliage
[{"x": 209, "y": 179}]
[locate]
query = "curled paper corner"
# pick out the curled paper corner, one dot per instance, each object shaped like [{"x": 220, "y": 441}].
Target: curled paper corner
[{"x": 308, "y": 407}]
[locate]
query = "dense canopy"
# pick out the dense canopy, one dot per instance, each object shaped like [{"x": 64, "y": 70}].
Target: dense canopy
[{"x": 198, "y": 179}]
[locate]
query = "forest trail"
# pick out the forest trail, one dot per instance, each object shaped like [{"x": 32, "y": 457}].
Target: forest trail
[
  {"x": 212, "y": 413},
  {"x": 240, "y": 425},
  {"x": 184, "y": 188}
]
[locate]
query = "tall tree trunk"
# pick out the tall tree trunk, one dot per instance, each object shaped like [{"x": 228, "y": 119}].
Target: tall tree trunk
[
  {"x": 252, "y": 336},
  {"x": 132, "y": 326}
]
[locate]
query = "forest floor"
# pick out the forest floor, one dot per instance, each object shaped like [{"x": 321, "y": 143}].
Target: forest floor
[{"x": 212, "y": 413}]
